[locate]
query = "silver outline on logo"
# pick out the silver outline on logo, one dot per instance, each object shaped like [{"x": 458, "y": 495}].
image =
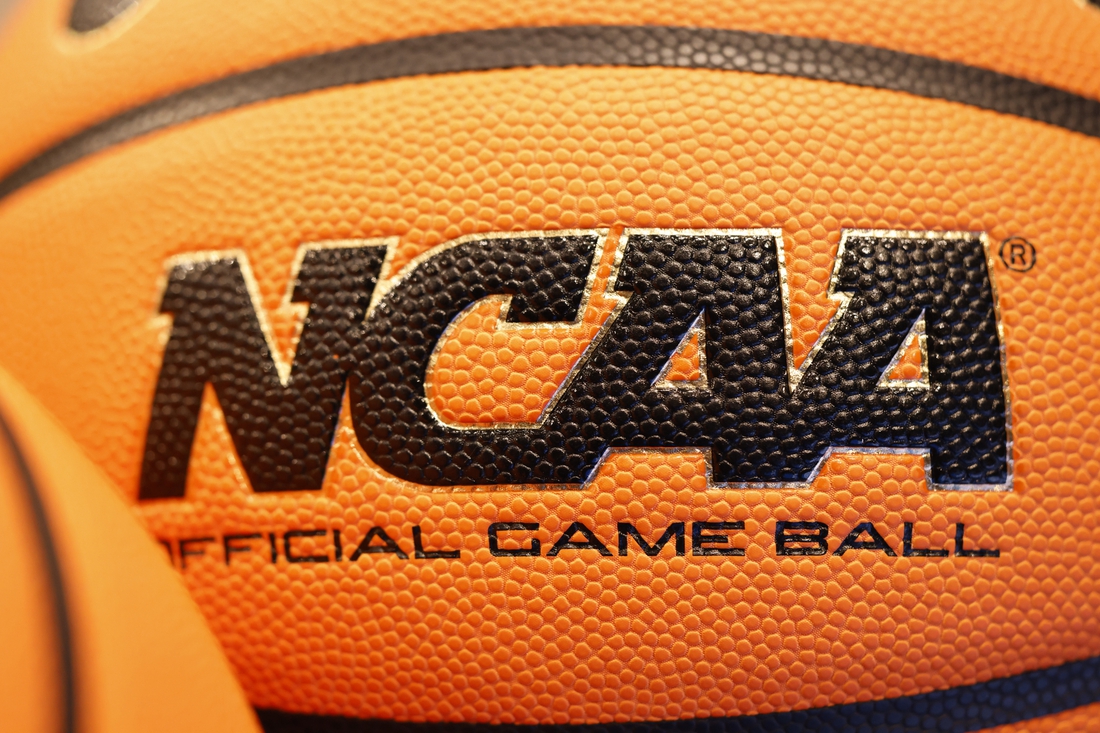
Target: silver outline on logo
[
  {"x": 282, "y": 366},
  {"x": 918, "y": 337},
  {"x": 698, "y": 330},
  {"x": 601, "y": 236}
]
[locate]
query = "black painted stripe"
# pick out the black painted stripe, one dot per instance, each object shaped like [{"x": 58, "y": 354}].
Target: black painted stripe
[
  {"x": 88, "y": 15},
  {"x": 62, "y": 620},
  {"x": 638, "y": 46},
  {"x": 957, "y": 710}
]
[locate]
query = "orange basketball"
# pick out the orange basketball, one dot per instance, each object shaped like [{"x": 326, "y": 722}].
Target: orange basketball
[
  {"x": 636, "y": 364},
  {"x": 98, "y": 635}
]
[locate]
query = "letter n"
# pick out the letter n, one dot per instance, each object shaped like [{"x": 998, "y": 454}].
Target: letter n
[{"x": 281, "y": 424}]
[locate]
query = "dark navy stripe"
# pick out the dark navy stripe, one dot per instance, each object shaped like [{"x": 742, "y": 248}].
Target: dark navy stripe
[
  {"x": 66, "y": 667},
  {"x": 597, "y": 46},
  {"x": 956, "y": 710}
]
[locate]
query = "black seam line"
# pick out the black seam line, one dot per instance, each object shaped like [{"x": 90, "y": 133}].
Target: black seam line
[
  {"x": 955, "y": 710},
  {"x": 596, "y": 46},
  {"x": 62, "y": 620}
]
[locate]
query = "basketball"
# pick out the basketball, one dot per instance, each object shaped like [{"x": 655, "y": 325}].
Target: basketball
[
  {"x": 98, "y": 635},
  {"x": 657, "y": 366}
]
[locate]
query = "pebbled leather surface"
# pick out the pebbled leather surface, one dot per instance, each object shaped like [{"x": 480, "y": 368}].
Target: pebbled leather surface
[
  {"x": 282, "y": 432},
  {"x": 756, "y": 428},
  {"x": 53, "y": 84},
  {"x": 428, "y": 160},
  {"x": 545, "y": 277},
  {"x": 582, "y": 636},
  {"x": 1002, "y": 702},
  {"x": 583, "y": 46}
]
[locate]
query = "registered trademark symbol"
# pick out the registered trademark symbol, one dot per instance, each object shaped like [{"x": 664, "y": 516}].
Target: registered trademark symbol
[{"x": 1018, "y": 254}]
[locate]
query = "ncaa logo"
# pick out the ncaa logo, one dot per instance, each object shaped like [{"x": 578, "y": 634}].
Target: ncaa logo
[{"x": 759, "y": 420}]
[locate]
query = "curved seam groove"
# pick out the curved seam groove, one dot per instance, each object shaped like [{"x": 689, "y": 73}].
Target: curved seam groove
[
  {"x": 591, "y": 46},
  {"x": 62, "y": 619}
]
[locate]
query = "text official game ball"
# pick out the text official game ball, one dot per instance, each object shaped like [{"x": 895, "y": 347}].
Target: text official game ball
[{"x": 667, "y": 366}]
